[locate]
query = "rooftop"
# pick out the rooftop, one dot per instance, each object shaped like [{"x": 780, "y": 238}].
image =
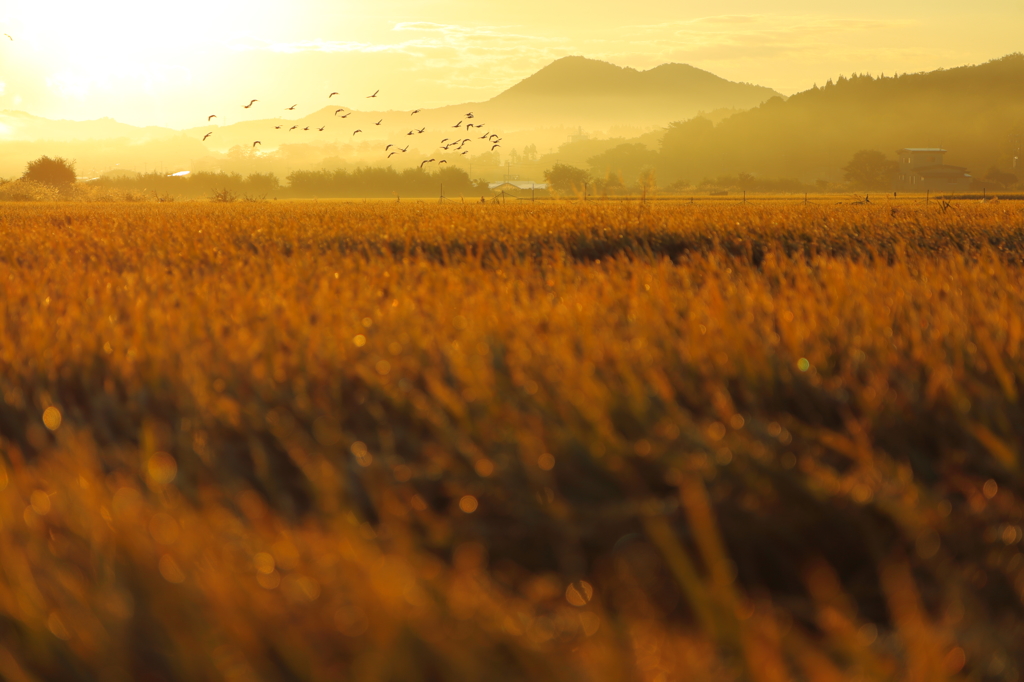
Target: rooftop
[{"x": 518, "y": 184}]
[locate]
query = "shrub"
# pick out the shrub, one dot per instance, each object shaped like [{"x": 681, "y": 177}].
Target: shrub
[
  {"x": 56, "y": 172},
  {"x": 27, "y": 190}
]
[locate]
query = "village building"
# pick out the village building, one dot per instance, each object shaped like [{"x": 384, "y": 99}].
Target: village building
[
  {"x": 517, "y": 188},
  {"x": 921, "y": 169}
]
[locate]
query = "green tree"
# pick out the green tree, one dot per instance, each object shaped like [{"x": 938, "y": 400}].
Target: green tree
[
  {"x": 564, "y": 178},
  {"x": 57, "y": 172},
  {"x": 869, "y": 169}
]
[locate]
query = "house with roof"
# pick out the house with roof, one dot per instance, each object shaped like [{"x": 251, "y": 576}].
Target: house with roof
[
  {"x": 922, "y": 168},
  {"x": 517, "y": 187}
]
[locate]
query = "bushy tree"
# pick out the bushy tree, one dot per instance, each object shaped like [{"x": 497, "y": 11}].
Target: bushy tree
[
  {"x": 869, "y": 169},
  {"x": 56, "y": 172},
  {"x": 565, "y": 178}
]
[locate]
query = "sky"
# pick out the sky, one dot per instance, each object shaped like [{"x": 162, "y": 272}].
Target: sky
[{"x": 172, "y": 64}]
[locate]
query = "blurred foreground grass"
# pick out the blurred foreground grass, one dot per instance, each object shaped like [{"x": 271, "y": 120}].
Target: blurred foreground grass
[{"x": 559, "y": 442}]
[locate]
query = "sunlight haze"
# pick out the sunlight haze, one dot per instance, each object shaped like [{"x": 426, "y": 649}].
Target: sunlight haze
[{"x": 171, "y": 65}]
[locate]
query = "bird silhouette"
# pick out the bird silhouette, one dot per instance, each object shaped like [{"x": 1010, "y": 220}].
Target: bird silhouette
[
  {"x": 246, "y": 106},
  {"x": 292, "y": 107},
  {"x": 469, "y": 115},
  {"x": 338, "y": 111},
  {"x": 464, "y": 153},
  {"x": 347, "y": 115},
  {"x": 411, "y": 132},
  {"x": 442, "y": 161},
  {"x": 379, "y": 122},
  {"x": 358, "y": 131},
  {"x": 292, "y": 128},
  {"x": 211, "y": 117},
  {"x": 388, "y": 147},
  {"x": 444, "y": 140},
  {"x": 257, "y": 142},
  {"x": 427, "y": 161},
  {"x": 494, "y": 135},
  {"x": 306, "y": 128},
  {"x": 207, "y": 135},
  {"x": 416, "y": 112},
  {"x": 321, "y": 128},
  {"x": 277, "y": 127},
  {"x": 421, "y": 130},
  {"x": 406, "y": 148},
  {"x": 373, "y": 95},
  {"x": 484, "y": 136},
  {"x": 332, "y": 95},
  {"x": 392, "y": 154},
  {"x": 495, "y": 147},
  {"x": 468, "y": 126},
  {"x": 457, "y": 125}
]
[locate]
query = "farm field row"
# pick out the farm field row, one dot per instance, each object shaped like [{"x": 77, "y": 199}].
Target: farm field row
[{"x": 561, "y": 440}]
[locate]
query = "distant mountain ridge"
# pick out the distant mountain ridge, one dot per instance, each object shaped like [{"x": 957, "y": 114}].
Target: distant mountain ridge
[
  {"x": 569, "y": 92},
  {"x": 672, "y": 89},
  {"x": 22, "y": 126},
  {"x": 975, "y": 112}
]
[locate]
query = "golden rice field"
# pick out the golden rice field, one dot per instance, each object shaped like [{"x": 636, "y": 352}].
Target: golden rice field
[{"x": 618, "y": 441}]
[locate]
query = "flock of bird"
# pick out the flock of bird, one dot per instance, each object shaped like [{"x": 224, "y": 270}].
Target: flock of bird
[
  {"x": 466, "y": 123},
  {"x": 493, "y": 139}
]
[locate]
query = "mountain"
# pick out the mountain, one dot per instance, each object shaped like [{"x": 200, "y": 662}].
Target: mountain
[
  {"x": 975, "y": 112},
  {"x": 565, "y": 96},
  {"x": 581, "y": 91},
  {"x": 568, "y": 94},
  {"x": 20, "y": 126}
]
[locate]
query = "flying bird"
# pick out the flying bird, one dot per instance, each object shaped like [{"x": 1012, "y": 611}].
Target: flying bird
[
  {"x": 444, "y": 140},
  {"x": 292, "y": 128},
  {"x": 468, "y": 126},
  {"x": 338, "y": 111},
  {"x": 207, "y": 135},
  {"x": 246, "y": 106},
  {"x": 416, "y": 111},
  {"x": 358, "y": 131},
  {"x": 347, "y": 115},
  {"x": 469, "y": 115},
  {"x": 484, "y": 136},
  {"x": 306, "y": 128},
  {"x": 457, "y": 125},
  {"x": 332, "y": 95},
  {"x": 257, "y": 142},
  {"x": 495, "y": 135},
  {"x": 392, "y": 154},
  {"x": 411, "y": 132},
  {"x": 277, "y": 127},
  {"x": 465, "y": 152},
  {"x": 421, "y": 130},
  {"x": 373, "y": 95},
  {"x": 292, "y": 107},
  {"x": 388, "y": 147},
  {"x": 379, "y": 122},
  {"x": 442, "y": 161},
  {"x": 406, "y": 148},
  {"x": 427, "y": 161},
  {"x": 321, "y": 128},
  {"x": 495, "y": 147},
  {"x": 211, "y": 117}
]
